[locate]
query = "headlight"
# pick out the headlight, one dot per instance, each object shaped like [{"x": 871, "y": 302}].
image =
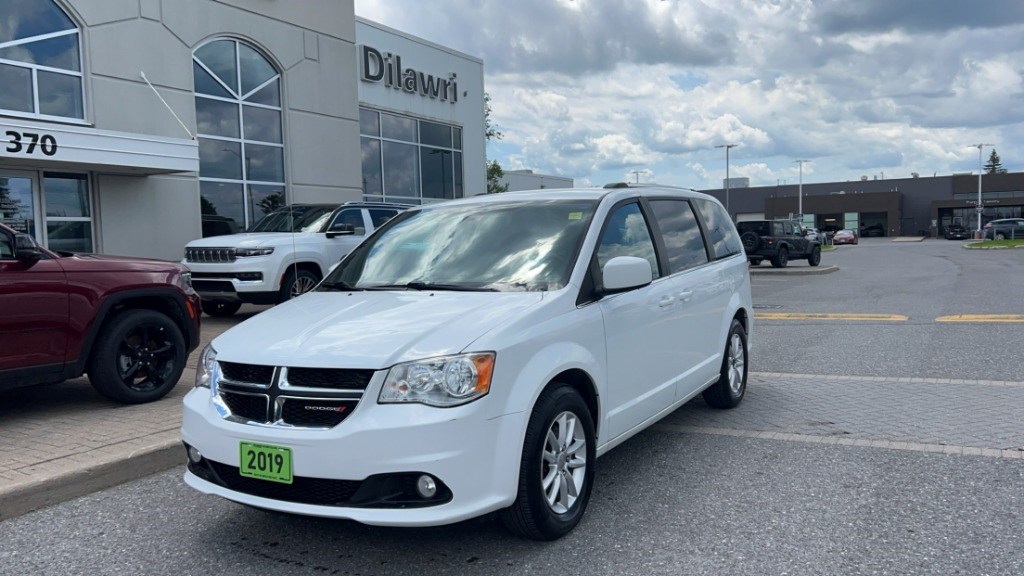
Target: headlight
[
  {"x": 442, "y": 382},
  {"x": 207, "y": 372},
  {"x": 186, "y": 281},
  {"x": 244, "y": 252}
]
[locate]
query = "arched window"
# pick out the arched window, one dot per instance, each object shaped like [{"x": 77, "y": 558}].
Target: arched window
[
  {"x": 241, "y": 143},
  {"x": 40, "y": 61}
]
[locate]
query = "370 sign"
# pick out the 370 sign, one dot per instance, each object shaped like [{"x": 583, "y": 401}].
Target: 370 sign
[{"x": 31, "y": 142}]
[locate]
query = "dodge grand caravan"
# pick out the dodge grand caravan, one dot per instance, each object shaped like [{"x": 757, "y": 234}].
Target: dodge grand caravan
[{"x": 477, "y": 356}]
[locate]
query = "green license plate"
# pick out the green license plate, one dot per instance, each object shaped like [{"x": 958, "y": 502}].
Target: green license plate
[{"x": 266, "y": 462}]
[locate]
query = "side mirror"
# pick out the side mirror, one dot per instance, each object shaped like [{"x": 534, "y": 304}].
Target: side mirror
[
  {"x": 341, "y": 230},
  {"x": 26, "y": 249},
  {"x": 625, "y": 272}
]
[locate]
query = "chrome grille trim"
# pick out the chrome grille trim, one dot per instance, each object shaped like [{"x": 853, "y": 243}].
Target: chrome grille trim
[{"x": 210, "y": 255}]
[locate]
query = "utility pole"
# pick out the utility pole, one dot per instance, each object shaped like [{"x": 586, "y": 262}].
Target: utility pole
[
  {"x": 637, "y": 174},
  {"x": 980, "y": 207},
  {"x": 727, "y": 146},
  {"x": 800, "y": 191}
]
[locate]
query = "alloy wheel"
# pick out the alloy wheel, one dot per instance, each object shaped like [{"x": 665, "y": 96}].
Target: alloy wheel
[
  {"x": 736, "y": 363},
  {"x": 564, "y": 465},
  {"x": 146, "y": 357}
]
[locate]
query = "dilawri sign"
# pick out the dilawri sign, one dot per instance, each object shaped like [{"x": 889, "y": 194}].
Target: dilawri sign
[{"x": 387, "y": 68}]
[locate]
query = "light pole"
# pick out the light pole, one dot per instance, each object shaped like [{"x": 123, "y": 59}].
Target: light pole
[
  {"x": 727, "y": 146},
  {"x": 800, "y": 191},
  {"x": 980, "y": 207}
]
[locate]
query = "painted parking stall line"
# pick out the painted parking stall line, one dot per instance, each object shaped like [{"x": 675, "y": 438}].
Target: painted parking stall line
[
  {"x": 981, "y": 318},
  {"x": 814, "y": 316}
]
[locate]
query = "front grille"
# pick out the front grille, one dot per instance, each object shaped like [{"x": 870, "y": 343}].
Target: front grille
[
  {"x": 247, "y": 373},
  {"x": 210, "y": 255},
  {"x": 315, "y": 413},
  {"x": 302, "y": 490},
  {"x": 252, "y": 407},
  {"x": 329, "y": 378}
]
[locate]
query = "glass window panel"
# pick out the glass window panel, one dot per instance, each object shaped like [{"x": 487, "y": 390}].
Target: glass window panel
[
  {"x": 371, "y": 166},
  {"x": 401, "y": 173},
  {"x": 351, "y": 217},
  {"x": 436, "y": 166},
  {"x": 398, "y": 127},
  {"x": 220, "y": 159},
  {"x": 264, "y": 199},
  {"x": 457, "y": 132},
  {"x": 205, "y": 84},
  {"x": 60, "y": 95},
  {"x": 66, "y": 196},
  {"x": 369, "y": 122},
  {"x": 381, "y": 215},
  {"x": 270, "y": 95},
  {"x": 256, "y": 69},
  {"x": 683, "y": 240},
  {"x": 60, "y": 52},
  {"x": 627, "y": 234},
  {"x": 17, "y": 88},
  {"x": 217, "y": 118},
  {"x": 16, "y": 204},
  {"x": 69, "y": 236},
  {"x": 265, "y": 163},
  {"x": 458, "y": 191},
  {"x": 433, "y": 134},
  {"x": 223, "y": 199},
  {"x": 28, "y": 18},
  {"x": 219, "y": 57},
  {"x": 721, "y": 231},
  {"x": 261, "y": 124}
]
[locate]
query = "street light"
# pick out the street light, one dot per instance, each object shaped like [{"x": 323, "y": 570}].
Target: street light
[
  {"x": 800, "y": 190},
  {"x": 980, "y": 207},
  {"x": 727, "y": 146}
]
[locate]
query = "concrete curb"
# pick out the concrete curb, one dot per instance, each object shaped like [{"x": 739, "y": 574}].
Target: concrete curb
[
  {"x": 111, "y": 470},
  {"x": 803, "y": 271}
]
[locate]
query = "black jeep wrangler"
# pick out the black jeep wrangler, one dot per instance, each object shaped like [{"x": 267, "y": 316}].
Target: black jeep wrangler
[{"x": 779, "y": 241}]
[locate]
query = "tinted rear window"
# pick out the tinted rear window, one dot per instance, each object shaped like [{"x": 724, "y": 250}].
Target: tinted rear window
[{"x": 724, "y": 238}]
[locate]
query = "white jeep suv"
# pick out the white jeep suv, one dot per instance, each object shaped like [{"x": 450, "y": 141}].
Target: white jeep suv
[
  {"x": 283, "y": 255},
  {"x": 476, "y": 356}
]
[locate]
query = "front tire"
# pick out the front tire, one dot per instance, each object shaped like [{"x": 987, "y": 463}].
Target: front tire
[
  {"x": 732, "y": 377},
  {"x": 296, "y": 283},
  {"x": 556, "y": 470},
  {"x": 815, "y": 258},
  {"x": 1000, "y": 236},
  {"x": 138, "y": 358}
]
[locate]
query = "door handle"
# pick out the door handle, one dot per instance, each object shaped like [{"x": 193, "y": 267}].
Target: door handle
[
  {"x": 666, "y": 301},
  {"x": 685, "y": 295}
]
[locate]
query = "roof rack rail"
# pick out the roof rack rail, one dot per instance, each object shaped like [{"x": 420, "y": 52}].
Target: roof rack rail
[{"x": 617, "y": 185}]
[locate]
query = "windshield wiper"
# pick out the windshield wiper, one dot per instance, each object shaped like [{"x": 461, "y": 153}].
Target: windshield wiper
[
  {"x": 339, "y": 285},
  {"x": 415, "y": 285}
]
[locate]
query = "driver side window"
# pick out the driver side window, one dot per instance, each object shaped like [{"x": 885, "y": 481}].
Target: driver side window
[
  {"x": 352, "y": 217},
  {"x": 627, "y": 234},
  {"x": 6, "y": 247}
]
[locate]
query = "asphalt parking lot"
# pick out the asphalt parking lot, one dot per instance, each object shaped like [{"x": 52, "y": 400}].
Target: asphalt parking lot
[{"x": 877, "y": 437}]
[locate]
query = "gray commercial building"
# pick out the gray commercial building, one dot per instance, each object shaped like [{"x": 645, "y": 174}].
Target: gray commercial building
[
  {"x": 130, "y": 126},
  {"x": 893, "y": 207}
]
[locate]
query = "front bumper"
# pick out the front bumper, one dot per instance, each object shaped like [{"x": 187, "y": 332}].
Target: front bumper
[
  {"x": 248, "y": 280},
  {"x": 476, "y": 458}
]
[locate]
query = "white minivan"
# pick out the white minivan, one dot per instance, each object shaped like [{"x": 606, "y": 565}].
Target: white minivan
[{"x": 474, "y": 356}]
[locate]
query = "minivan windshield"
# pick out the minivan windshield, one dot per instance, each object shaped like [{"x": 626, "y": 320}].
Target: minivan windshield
[
  {"x": 515, "y": 245},
  {"x": 294, "y": 219}
]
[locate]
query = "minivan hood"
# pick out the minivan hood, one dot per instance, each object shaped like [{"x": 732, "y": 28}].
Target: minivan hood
[
  {"x": 249, "y": 240},
  {"x": 369, "y": 330}
]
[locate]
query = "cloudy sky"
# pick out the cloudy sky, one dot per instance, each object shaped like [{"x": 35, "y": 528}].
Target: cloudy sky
[{"x": 598, "y": 89}]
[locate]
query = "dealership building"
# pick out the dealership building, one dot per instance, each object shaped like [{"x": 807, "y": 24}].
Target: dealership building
[
  {"x": 126, "y": 125},
  {"x": 922, "y": 206}
]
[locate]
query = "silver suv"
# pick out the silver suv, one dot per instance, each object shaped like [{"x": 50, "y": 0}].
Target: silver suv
[{"x": 283, "y": 255}]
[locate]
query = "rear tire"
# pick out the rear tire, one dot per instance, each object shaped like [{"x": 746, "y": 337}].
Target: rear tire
[
  {"x": 815, "y": 258},
  {"x": 732, "y": 377},
  {"x": 755, "y": 261},
  {"x": 138, "y": 357},
  {"x": 554, "y": 465},
  {"x": 781, "y": 259},
  {"x": 220, "y": 309}
]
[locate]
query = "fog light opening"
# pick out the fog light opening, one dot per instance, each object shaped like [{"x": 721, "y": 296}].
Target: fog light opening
[
  {"x": 194, "y": 455},
  {"x": 426, "y": 487}
]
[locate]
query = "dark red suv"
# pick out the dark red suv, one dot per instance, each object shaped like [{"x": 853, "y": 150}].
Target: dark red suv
[{"x": 129, "y": 323}]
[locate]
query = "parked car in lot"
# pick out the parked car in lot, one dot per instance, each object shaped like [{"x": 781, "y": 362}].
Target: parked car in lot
[
  {"x": 844, "y": 237},
  {"x": 128, "y": 323},
  {"x": 872, "y": 230},
  {"x": 1005, "y": 229},
  {"x": 283, "y": 255},
  {"x": 474, "y": 356},
  {"x": 814, "y": 234},
  {"x": 779, "y": 241},
  {"x": 956, "y": 232}
]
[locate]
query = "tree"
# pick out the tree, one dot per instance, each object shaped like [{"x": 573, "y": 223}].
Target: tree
[
  {"x": 491, "y": 132},
  {"x": 995, "y": 164}
]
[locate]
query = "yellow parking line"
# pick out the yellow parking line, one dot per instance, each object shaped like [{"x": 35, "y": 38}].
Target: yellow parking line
[
  {"x": 855, "y": 317},
  {"x": 979, "y": 318}
]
